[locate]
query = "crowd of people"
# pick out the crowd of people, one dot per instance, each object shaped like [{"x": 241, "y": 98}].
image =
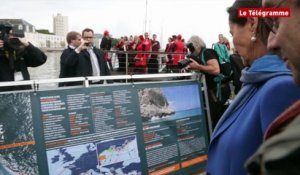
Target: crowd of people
[
  {"x": 139, "y": 62},
  {"x": 258, "y": 133},
  {"x": 147, "y": 62}
]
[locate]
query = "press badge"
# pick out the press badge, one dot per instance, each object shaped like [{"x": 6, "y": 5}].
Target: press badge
[{"x": 18, "y": 76}]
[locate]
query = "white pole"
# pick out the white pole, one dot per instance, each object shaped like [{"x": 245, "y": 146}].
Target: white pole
[{"x": 146, "y": 13}]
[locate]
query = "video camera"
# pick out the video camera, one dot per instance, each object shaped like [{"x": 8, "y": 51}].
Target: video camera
[
  {"x": 187, "y": 61},
  {"x": 10, "y": 43}
]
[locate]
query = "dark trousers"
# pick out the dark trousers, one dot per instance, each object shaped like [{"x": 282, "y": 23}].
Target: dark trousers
[
  {"x": 122, "y": 62},
  {"x": 218, "y": 107},
  {"x": 152, "y": 65}
]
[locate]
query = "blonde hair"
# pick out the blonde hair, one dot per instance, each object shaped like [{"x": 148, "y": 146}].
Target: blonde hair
[
  {"x": 197, "y": 41},
  {"x": 72, "y": 36}
]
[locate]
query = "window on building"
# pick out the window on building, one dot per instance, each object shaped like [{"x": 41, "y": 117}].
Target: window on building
[{"x": 20, "y": 27}]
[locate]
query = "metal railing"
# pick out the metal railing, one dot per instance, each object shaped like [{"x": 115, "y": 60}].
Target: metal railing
[
  {"x": 115, "y": 58},
  {"x": 86, "y": 80}
]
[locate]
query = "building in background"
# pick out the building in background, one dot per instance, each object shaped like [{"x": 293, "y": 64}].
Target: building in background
[
  {"x": 60, "y": 25},
  {"x": 19, "y": 25},
  {"x": 46, "y": 41},
  {"x": 41, "y": 40}
]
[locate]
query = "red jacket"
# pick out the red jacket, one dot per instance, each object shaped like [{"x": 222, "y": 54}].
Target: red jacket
[
  {"x": 141, "y": 60},
  {"x": 179, "y": 49}
]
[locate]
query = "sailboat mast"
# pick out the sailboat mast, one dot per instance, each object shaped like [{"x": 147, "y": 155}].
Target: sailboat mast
[{"x": 146, "y": 16}]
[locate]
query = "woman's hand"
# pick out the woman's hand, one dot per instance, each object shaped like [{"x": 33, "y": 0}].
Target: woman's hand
[{"x": 194, "y": 65}]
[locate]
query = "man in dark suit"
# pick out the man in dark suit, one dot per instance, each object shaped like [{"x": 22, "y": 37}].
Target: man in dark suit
[
  {"x": 67, "y": 71},
  {"x": 86, "y": 59}
]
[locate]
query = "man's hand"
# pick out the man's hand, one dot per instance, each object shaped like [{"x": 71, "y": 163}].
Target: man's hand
[
  {"x": 1, "y": 44},
  {"x": 24, "y": 42},
  {"x": 82, "y": 46}
]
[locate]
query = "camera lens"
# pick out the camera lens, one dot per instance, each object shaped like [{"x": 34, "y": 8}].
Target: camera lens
[
  {"x": 183, "y": 63},
  {"x": 190, "y": 47}
]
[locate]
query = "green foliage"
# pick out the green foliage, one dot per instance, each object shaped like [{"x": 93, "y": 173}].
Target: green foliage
[
  {"x": 114, "y": 41},
  {"x": 44, "y": 31}
]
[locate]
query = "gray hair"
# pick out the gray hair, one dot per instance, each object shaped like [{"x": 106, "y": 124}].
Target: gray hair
[{"x": 197, "y": 41}]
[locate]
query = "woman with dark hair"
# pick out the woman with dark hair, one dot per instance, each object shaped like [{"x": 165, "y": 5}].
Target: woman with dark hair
[{"x": 268, "y": 89}]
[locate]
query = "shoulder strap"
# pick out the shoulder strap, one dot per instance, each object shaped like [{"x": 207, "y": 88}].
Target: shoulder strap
[
  {"x": 218, "y": 79},
  {"x": 202, "y": 59}
]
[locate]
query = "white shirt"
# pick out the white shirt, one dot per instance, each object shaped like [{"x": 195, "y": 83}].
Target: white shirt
[{"x": 94, "y": 62}]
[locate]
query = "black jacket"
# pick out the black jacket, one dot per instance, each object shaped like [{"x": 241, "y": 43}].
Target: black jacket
[
  {"x": 29, "y": 57},
  {"x": 81, "y": 64},
  {"x": 105, "y": 43},
  {"x": 67, "y": 70}
]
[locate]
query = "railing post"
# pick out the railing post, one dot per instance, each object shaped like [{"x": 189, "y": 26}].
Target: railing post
[
  {"x": 126, "y": 69},
  {"x": 207, "y": 107},
  {"x": 86, "y": 82}
]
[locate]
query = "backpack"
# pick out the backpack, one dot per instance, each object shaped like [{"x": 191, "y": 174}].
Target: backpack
[
  {"x": 223, "y": 58},
  {"x": 226, "y": 71}
]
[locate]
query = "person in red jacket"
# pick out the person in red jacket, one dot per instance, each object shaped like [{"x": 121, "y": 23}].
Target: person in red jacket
[
  {"x": 131, "y": 48},
  {"x": 147, "y": 45},
  {"x": 141, "y": 58},
  {"x": 179, "y": 48}
]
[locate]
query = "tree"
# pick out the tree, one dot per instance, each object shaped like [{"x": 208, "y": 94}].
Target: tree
[{"x": 44, "y": 31}]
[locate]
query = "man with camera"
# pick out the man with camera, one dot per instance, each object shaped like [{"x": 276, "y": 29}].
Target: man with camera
[
  {"x": 210, "y": 67},
  {"x": 16, "y": 54}
]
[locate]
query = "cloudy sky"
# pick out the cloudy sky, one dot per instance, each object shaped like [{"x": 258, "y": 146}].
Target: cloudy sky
[{"x": 206, "y": 18}]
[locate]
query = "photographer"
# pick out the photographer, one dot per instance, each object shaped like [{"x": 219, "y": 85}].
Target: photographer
[
  {"x": 211, "y": 68},
  {"x": 16, "y": 54}
]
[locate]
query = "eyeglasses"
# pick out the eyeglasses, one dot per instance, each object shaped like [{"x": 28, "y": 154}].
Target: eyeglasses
[
  {"x": 88, "y": 37},
  {"x": 273, "y": 23}
]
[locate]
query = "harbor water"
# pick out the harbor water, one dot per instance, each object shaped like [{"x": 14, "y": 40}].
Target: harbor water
[{"x": 49, "y": 70}]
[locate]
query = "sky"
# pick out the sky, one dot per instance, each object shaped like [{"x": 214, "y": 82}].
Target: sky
[
  {"x": 186, "y": 95},
  {"x": 206, "y": 18}
]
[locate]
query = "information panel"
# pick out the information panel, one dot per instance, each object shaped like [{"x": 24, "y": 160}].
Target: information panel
[
  {"x": 17, "y": 143},
  {"x": 142, "y": 129},
  {"x": 174, "y": 128}
]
